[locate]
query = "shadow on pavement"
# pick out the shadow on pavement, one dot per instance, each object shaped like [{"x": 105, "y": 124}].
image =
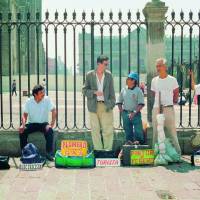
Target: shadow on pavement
[{"x": 183, "y": 167}]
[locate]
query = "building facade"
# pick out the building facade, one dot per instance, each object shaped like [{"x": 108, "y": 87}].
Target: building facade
[
  {"x": 31, "y": 47},
  {"x": 133, "y": 51}
]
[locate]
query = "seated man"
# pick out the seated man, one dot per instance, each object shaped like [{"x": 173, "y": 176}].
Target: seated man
[{"x": 36, "y": 110}]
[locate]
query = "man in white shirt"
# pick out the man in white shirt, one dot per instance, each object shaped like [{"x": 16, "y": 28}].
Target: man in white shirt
[
  {"x": 35, "y": 118},
  {"x": 165, "y": 90}
]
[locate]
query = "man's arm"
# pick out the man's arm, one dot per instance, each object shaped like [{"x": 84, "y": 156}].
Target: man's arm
[
  {"x": 192, "y": 79},
  {"x": 53, "y": 111},
  {"x": 175, "y": 95},
  {"x": 112, "y": 94},
  {"x": 138, "y": 109},
  {"x": 86, "y": 90},
  {"x": 120, "y": 107},
  {"x": 24, "y": 120}
]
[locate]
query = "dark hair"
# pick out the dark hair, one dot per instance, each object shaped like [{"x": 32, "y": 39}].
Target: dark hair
[
  {"x": 102, "y": 58},
  {"x": 44, "y": 79},
  {"x": 136, "y": 83},
  {"x": 36, "y": 89}
]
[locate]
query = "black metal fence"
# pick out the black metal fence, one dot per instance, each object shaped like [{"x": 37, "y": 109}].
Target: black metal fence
[
  {"x": 186, "y": 62},
  {"x": 63, "y": 49}
]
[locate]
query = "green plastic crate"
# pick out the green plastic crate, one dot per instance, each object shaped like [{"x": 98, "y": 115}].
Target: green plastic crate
[{"x": 74, "y": 161}]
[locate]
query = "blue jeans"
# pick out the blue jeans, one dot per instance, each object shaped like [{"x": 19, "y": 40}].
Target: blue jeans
[{"x": 128, "y": 127}]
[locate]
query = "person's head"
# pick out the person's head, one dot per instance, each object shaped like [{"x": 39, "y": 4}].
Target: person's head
[
  {"x": 44, "y": 79},
  {"x": 132, "y": 80},
  {"x": 102, "y": 62},
  {"x": 38, "y": 92},
  {"x": 14, "y": 80},
  {"x": 161, "y": 65}
]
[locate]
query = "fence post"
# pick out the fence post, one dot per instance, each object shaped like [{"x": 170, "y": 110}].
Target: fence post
[{"x": 154, "y": 13}]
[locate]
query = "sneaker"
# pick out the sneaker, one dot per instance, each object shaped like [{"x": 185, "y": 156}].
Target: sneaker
[{"x": 49, "y": 157}]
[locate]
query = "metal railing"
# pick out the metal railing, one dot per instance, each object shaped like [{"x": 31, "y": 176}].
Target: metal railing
[
  {"x": 191, "y": 27},
  {"x": 27, "y": 43}
]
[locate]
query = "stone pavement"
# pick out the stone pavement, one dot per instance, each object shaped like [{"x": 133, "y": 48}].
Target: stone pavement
[{"x": 177, "y": 181}]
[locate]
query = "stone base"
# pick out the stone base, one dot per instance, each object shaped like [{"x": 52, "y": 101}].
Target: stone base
[{"x": 9, "y": 140}]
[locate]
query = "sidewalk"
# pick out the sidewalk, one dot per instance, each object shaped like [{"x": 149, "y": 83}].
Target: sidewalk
[{"x": 177, "y": 181}]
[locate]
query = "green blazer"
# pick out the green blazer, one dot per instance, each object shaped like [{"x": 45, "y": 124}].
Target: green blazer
[{"x": 90, "y": 87}]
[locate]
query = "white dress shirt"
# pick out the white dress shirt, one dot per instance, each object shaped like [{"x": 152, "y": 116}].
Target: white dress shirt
[{"x": 100, "y": 87}]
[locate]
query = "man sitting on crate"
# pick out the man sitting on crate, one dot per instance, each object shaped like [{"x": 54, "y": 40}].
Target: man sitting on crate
[{"x": 36, "y": 110}]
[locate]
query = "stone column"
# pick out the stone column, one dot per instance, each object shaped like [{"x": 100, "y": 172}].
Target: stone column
[{"x": 154, "y": 13}]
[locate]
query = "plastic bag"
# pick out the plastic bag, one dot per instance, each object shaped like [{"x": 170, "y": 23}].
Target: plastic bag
[
  {"x": 160, "y": 160},
  {"x": 171, "y": 151},
  {"x": 74, "y": 161}
]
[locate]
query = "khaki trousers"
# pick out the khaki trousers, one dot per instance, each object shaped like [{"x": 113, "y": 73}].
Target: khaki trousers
[
  {"x": 169, "y": 126},
  {"x": 102, "y": 120}
]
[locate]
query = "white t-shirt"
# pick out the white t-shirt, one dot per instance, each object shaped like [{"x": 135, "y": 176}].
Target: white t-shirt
[
  {"x": 166, "y": 87},
  {"x": 197, "y": 89},
  {"x": 100, "y": 87},
  {"x": 38, "y": 112}
]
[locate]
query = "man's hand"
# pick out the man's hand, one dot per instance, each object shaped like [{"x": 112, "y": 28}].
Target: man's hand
[
  {"x": 120, "y": 108},
  {"x": 98, "y": 93},
  {"x": 24, "y": 119},
  {"x": 52, "y": 124},
  {"x": 21, "y": 129},
  {"x": 131, "y": 115}
]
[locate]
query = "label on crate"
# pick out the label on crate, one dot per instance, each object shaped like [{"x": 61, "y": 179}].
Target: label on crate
[
  {"x": 31, "y": 167},
  {"x": 107, "y": 162},
  {"x": 142, "y": 157},
  {"x": 74, "y": 148},
  {"x": 197, "y": 160}
]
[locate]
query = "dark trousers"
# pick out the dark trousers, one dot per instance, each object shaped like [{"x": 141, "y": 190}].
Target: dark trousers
[
  {"x": 128, "y": 127},
  {"x": 14, "y": 91},
  {"x": 34, "y": 127}
]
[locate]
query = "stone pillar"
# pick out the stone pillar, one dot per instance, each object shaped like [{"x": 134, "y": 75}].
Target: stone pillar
[{"x": 154, "y": 13}]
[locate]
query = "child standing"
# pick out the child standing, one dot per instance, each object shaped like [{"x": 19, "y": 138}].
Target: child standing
[{"x": 130, "y": 103}]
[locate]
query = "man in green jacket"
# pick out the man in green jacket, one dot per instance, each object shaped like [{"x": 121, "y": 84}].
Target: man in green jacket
[{"x": 99, "y": 90}]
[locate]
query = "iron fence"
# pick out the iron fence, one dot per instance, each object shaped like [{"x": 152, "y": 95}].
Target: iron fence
[{"x": 63, "y": 49}]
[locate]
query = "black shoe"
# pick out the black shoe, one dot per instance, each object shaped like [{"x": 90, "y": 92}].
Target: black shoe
[{"x": 49, "y": 157}]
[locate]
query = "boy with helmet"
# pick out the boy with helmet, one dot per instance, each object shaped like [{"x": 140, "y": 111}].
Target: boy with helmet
[{"x": 130, "y": 103}]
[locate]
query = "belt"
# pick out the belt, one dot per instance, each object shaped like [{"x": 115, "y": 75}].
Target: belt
[
  {"x": 129, "y": 111},
  {"x": 100, "y": 101},
  {"x": 169, "y": 106}
]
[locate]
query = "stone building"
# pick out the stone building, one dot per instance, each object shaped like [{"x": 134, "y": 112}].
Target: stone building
[{"x": 10, "y": 53}]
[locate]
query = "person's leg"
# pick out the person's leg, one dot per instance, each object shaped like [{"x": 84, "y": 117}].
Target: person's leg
[
  {"x": 30, "y": 128},
  {"x": 49, "y": 136},
  {"x": 95, "y": 131},
  {"x": 171, "y": 127},
  {"x": 106, "y": 121},
  {"x": 128, "y": 126},
  {"x": 154, "y": 124},
  {"x": 137, "y": 122}
]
